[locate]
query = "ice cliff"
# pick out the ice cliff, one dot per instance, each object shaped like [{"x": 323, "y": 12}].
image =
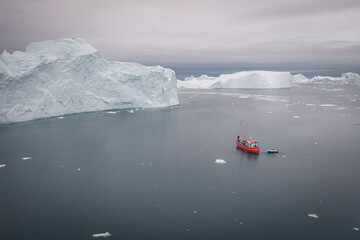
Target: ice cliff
[
  {"x": 68, "y": 76},
  {"x": 245, "y": 79}
]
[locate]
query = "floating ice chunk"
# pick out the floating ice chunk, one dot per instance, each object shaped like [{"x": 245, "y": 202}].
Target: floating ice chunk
[
  {"x": 111, "y": 112},
  {"x": 26, "y": 158},
  {"x": 270, "y": 112},
  {"x": 195, "y": 211},
  {"x": 327, "y": 105},
  {"x": 356, "y": 229},
  {"x": 78, "y": 169},
  {"x": 60, "y": 117},
  {"x": 312, "y": 215},
  {"x": 2, "y": 165},
  {"x": 131, "y": 111},
  {"x": 220, "y": 161},
  {"x": 296, "y": 116},
  {"x": 315, "y": 143},
  {"x": 107, "y": 234}
]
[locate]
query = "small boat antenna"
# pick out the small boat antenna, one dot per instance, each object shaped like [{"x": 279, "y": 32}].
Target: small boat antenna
[{"x": 250, "y": 134}]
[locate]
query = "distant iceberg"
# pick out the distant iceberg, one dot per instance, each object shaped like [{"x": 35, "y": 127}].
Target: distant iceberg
[
  {"x": 245, "y": 79},
  {"x": 263, "y": 80},
  {"x": 65, "y": 76}
]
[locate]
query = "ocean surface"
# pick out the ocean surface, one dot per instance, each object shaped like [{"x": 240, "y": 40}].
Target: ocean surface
[{"x": 151, "y": 174}]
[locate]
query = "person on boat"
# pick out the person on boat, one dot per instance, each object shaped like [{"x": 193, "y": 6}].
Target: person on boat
[{"x": 238, "y": 138}]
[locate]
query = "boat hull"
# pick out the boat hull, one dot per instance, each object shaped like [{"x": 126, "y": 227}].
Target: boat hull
[{"x": 246, "y": 148}]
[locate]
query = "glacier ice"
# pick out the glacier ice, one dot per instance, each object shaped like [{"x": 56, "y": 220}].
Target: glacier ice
[
  {"x": 245, "y": 79},
  {"x": 65, "y": 76},
  {"x": 263, "y": 80}
]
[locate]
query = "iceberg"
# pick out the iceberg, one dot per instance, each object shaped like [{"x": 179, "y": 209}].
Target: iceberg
[
  {"x": 245, "y": 79},
  {"x": 96, "y": 235},
  {"x": 345, "y": 78},
  {"x": 299, "y": 78},
  {"x": 263, "y": 80},
  {"x": 66, "y": 76}
]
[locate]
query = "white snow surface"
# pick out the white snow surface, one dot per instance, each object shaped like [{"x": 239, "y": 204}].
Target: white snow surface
[
  {"x": 245, "y": 79},
  {"x": 107, "y": 234},
  {"x": 263, "y": 80},
  {"x": 68, "y": 75}
]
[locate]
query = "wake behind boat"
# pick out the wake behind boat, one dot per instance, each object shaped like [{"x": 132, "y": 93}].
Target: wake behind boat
[{"x": 249, "y": 145}]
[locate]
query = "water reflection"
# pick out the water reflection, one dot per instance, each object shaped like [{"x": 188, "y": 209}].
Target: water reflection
[{"x": 247, "y": 155}]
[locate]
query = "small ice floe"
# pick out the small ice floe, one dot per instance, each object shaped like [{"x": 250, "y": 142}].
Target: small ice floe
[
  {"x": 220, "y": 161},
  {"x": 60, "y": 117},
  {"x": 312, "y": 215},
  {"x": 188, "y": 230},
  {"x": 111, "y": 112},
  {"x": 270, "y": 112},
  {"x": 195, "y": 211},
  {"x": 78, "y": 169},
  {"x": 356, "y": 229},
  {"x": 62, "y": 165},
  {"x": 284, "y": 156},
  {"x": 310, "y": 104},
  {"x": 107, "y": 234},
  {"x": 327, "y": 105},
  {"x": 26, "y": 158},
  {"x": 2, "y": 165},
  {"x": 130, "y": 111},
  {"x": 290, "y": 111},
  {"x": 315, "y": 143},
  {"x": 341, "y": 108},
  {"x": 296, "y": 116}
]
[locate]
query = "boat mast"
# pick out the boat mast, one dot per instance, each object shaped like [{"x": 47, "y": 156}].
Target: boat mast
[{"x": 241, "y": 123}]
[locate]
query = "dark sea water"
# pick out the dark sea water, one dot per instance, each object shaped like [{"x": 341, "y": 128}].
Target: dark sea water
[{"x": 152, "y": 174}]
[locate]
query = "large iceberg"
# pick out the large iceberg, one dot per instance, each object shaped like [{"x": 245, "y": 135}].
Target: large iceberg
[
  {"x": 263, "y": 80},
  {"x": 245, "y": 79},
  {"x": 68, "y": 76}
]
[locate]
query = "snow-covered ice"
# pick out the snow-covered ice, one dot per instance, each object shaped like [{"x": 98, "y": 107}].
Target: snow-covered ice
[
  {"x": 245, "y": 79},
  {"x": 111, "y": 112},
  {"x": 26, "y": 158},
  {"x": 66, "y": 76},
  {"x": 107, "y": 234},
  {"x": 356, "y": 229},
  {"x": 220, "y": 161},
  {"x": 312, "y": 215},
  {"x": 2, "y": 165}
]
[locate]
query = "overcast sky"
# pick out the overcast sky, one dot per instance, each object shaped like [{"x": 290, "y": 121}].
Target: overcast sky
[{"x": 304, "y": 32}]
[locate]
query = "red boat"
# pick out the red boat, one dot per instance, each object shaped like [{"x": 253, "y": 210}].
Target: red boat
[{"x": 250, "y": 145}]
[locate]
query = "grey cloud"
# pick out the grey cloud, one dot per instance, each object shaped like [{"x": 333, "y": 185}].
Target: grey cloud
[{"x": 192, "y": 31}]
